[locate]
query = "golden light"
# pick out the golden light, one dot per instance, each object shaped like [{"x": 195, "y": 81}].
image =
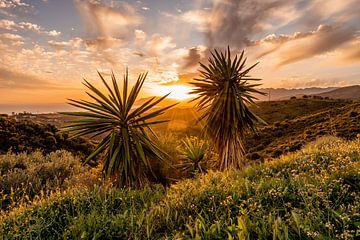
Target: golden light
[{"x": 178, "y": 92}]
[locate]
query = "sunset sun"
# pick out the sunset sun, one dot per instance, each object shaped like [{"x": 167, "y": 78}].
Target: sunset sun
[{"x": 178, "y": 92}]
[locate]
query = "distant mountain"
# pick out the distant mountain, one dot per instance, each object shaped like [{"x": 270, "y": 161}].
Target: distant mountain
[
  {"x": 351, "y": 92},
  {"x": 275, "y": 94}
]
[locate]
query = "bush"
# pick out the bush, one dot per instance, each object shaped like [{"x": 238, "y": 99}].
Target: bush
[
  {"x": 29, "y": 136},
  {"x": 25, "y": 176},
  {"x": 311, "y": 194}
]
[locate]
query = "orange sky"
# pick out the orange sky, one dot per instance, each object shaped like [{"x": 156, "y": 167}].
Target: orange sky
[{"x": 48, "y": 46}]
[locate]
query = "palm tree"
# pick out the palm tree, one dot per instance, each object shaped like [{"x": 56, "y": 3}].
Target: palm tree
[
  {"x": 224, "y": 95},
  {"x": 127, "y": 146}
]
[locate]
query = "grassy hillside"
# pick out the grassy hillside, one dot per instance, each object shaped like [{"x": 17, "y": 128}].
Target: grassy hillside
[
  {"x": 291, "y": 134},
  {"x": 350, "y": 92},
  {"x": 312, "y": 194},
  {"x": 277, "y": 111},
  {"x": 291, "y": 124}
]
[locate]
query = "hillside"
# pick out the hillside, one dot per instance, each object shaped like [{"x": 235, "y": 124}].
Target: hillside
[
  {"x": 291, "y": 134},
  {"x": 312, "y": 194},
  {"x": 27, "y": 136},
  {"x": 277, "y": 94},
  {"x": 351, "y": 92},
  {"x": 271, "y": 112},
  {"x": 291, "y": 123}
]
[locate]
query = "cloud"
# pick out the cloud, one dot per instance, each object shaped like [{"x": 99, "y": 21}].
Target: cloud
[
  {"x": 140, "y": 36},
  {"x": 53, "y": 33},
  {"x": 12, "y": 4},
  {"x": 202, "y": 19},
  {"x": 106, "y": 21},
  {"x": 30, "y": 26},
  {"x": 7, "y": 24},
  {"x": 157, "y": 44},
  {"x": 103, "y": 43},
  {"x": 11, "y": 39},
  {"x": 306, "y": 81},
  {"x": 38, "y": 29},
  {"x": 193, "y": 57},
  {"x": 72, "y": 43},
  {"x": 351, "y": 52},
  {"x": 233, "y": 22},
  {"x": 11, "y": 25},
  {"x": 183, "y": 79},
  {"x": 326, "y": 38},
  {"x": 20, "y": 80},
  {"x": 108, "y": 26}
]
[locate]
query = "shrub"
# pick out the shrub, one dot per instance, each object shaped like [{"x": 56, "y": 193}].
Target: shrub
[
  {"x": 193, "y": 151},
  {"x": 26, "y": 176},
  {"x": 311, "y": 194}
]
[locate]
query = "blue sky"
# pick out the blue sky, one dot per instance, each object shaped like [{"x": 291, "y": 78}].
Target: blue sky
[{"x": 48, "y": 46}]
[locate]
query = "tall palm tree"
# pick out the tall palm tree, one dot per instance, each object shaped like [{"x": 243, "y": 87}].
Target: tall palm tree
[
  {"x": 127, "y": 147},
  {"x": 224, "y": 95}
]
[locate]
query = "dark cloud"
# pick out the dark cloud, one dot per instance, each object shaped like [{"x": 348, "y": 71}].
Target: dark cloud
[
  {"x": 192, "y": 59},
  {"x": 233, "y": 22}
]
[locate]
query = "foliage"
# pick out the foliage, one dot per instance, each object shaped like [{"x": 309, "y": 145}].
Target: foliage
[
  {"x": 224, "y": 93},
  {"x": 127, "y": 145},
  {"x": 26, "y": 176},
  {"x": 27, "y": 136},
  {"x": 311, "y": 194},
  {"x": 192, "y": 150},
  {"x": 289, "y": 135}
]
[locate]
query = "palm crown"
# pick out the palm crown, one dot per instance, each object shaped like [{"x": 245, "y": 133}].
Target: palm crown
[
  {"x": 127, "y": 147},
  {"x": 224, "y": 95}
]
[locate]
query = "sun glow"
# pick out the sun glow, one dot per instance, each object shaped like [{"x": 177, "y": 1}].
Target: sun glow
[{"x": 178, "y": 92}]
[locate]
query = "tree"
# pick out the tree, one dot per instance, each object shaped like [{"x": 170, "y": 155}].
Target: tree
[
  {"x": 127, "y": 146},
  {"x": 224, "y": 95}
]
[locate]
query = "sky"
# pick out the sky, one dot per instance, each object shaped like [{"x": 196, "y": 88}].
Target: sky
[{"x": 49, "y": 46}]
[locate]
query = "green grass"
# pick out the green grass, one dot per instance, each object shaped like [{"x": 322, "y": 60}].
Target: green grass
[
  {"x": 310, "y": 194},
  {"x": 291, "y": 134},
  {"x": 24, "y": 177}
]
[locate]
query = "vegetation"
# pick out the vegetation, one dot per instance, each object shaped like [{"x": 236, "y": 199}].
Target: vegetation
[
  {"x": 289, "y": 135},
  {"x": 224, "y": 94},
  {"x": 127, "y": 146},
  {"x": 311, "y": 194},
  {"x": 27, "y": 136},
  {"x": 193, "y": 152},
  {"x": 26, "y": 177}
]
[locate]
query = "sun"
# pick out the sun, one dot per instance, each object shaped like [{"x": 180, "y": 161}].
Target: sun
[{"x": 178, "y": 92}]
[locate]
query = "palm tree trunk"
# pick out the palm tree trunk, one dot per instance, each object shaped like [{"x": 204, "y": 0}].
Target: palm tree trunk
[{"x": 232, "y": 154}]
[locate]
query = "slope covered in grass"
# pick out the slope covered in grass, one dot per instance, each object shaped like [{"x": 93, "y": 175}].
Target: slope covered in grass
[
  {"x": 291, "y": 134},
  {"x": 313, "y": 193}
]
